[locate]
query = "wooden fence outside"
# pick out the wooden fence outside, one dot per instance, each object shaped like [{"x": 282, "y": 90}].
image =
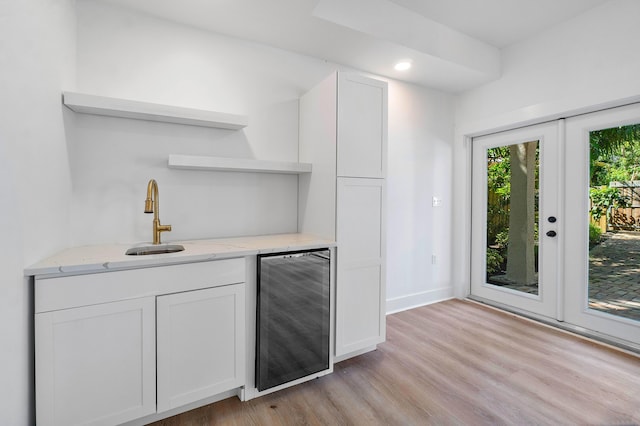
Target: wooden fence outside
[
  {"x": 625, "y": 218},
  {"x": 498, "y": 214}
]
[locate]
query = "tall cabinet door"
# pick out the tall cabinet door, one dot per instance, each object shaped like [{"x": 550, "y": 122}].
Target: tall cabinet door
[
  {"x": 96, "y": 364},
  {"x": 360, "y": 292},
  {"x": 362, "y": 126},
  {"x": 201, "y": 344},
  {"x": 343, "y": 133}
]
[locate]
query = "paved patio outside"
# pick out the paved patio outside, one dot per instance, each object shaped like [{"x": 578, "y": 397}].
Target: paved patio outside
[{"x": 614, "y": 274}]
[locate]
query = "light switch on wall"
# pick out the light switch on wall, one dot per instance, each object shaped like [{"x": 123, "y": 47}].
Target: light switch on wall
[{"x": 437, "y": 202}]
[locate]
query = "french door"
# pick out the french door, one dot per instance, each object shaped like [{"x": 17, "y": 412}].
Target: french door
[
  {"x": 556, "y": 221},
  {"x": 602, "y": 272},
  {"x": 515, "y": 218}
]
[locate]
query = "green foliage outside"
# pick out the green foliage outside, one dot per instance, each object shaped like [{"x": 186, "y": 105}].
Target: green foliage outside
[
  {"x": 499, "y": 191},
  {"x": 494, "y": 261},
  {"x": 499, "y": 171},
  {"x": 595, "y": 234},
  {"x": 602, "y": 198},
  {"x": 614, "y": 157}
]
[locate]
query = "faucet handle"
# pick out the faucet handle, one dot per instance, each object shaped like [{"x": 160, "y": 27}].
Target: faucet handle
[{"x": 157, "y": 230}]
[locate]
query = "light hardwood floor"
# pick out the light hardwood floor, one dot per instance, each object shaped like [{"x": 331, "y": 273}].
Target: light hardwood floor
[{"x": 455, "y": 362}]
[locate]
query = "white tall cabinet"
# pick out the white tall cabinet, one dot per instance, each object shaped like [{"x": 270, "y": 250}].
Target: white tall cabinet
[{"x": 343, "y": 134}]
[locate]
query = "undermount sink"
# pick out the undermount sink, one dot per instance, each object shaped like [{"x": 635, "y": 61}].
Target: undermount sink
[{"x": 154, "y": 249}]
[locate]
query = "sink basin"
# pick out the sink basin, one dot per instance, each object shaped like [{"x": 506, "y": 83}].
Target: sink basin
[{"x": 154, "y": 249}]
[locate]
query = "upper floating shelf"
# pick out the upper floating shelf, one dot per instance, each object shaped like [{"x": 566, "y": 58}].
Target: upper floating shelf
[
  {"x": 114, "y": 107},
  {"x": 197, "y": 162}
]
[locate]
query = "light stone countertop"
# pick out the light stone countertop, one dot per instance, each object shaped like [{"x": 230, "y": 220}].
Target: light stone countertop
[{"x": 112, "y": 257}]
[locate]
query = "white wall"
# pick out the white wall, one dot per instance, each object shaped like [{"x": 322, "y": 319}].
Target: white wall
[
  {"x": 126, "y": 54},
  {"x": 588, "y": 61},
  {"x": 36, "y": 59},
  {"x": 585, "y": 61},
  {"x": 419, "y": 168}
]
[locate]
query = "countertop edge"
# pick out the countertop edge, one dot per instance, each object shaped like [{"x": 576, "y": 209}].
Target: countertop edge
[{"x": 70, "y": 261}]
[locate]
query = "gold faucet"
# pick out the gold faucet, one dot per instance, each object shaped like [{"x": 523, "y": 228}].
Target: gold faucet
[{"x": 152, "y": 205}]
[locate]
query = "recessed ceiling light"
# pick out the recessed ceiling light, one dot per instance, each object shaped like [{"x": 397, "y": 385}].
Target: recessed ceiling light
[{"x": 402, "y": 66}]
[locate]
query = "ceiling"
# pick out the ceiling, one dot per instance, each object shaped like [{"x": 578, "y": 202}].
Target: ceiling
[{"x": 454, "y": 45}]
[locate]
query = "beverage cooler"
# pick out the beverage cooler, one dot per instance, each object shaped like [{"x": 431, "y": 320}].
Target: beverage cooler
[{"x": 293, "y": 316}]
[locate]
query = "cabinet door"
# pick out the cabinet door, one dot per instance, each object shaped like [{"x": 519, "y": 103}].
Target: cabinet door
[
  {"x": 362, "y": 126},
  {"x": 96, "y": 364},
  {"x": 201, "y": 349},
  {"x": 360, "y": 280}
]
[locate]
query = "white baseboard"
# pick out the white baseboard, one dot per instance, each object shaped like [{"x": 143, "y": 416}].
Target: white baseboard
[{"x": 415, "y": 300}]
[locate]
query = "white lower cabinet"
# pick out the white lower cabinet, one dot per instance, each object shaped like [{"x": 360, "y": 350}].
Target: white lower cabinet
[
  {"x": 201, "y": 344},
  {"x": 96, "y": 365},
  {"x": 98, "y": 336}
]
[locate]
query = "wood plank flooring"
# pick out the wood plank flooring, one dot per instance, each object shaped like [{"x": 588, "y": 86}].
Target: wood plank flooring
[{"x": 455, "y": 363}]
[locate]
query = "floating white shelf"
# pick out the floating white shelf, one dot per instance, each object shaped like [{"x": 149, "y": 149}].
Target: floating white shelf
[
  {"x": 114, "y": 107},
  {"x": 197, "y": 162}
]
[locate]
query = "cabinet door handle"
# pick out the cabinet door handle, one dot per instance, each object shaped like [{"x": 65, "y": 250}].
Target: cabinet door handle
[{"x": 551, "y": 233}]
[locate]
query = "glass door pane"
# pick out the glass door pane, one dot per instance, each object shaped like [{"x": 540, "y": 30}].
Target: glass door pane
[
  {"x": 512, "y": 216},
  {"x": 614, "y": 226}
]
